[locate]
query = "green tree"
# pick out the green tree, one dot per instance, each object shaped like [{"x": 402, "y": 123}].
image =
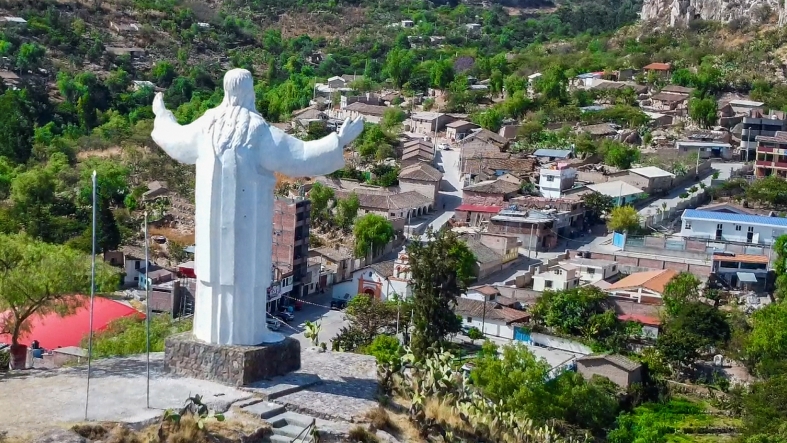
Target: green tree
[
  {"x": 474, "y": 334},
  {"x": 766, "y": 346},
  {"x": 692, "y": 333},
  {"x": 624, "y": 219},
  {"x": 765, "y": 411},
  {"x": 619, "y": 155},
  {"x": 368, "y": 317},
  {"x": 681, "y": 289},
  {"x": 531, "y": 131},
  {"x": 371, "y": 231},
  {"x": 392, "y": 119},
  {"x": 441, "y": 74},
  {"x": 30, "y": 56},
  {"x": 490, "y": 119},
  {"x": 163, "y": 74},
  {"x": 347, "y": 210},
  {"x": 16, "y": 126},
  {"x": 596, "y": 205},
  {"x": 41, "y": 278},
  {"x": 320, "y": 197},
  {"x": 704, "y": 111},
  {"x": 399, "y": 64},
  {"x": 441, "y": 266}
]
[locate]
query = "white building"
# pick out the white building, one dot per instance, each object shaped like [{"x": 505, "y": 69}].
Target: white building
[
  {"x": 489, "y": 317},
  {"x": 554, "y": 180},
  {"x": 722, "y": 226},
  {"x": 560, "y": 277},
  {"x": 384, "y": 280},
  {"x": 593, "y": 270}
]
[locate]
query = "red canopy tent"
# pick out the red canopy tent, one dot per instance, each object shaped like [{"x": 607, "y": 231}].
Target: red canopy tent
[{"x": 53, "y": 331}]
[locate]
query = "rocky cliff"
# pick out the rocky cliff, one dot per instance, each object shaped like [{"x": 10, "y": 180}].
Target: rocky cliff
[{"x": 681, "y": 12}]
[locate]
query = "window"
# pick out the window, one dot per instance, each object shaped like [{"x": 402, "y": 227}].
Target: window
[
  {"x": 719, "y": 227},
  {"x": 576, "y": 282},
  {"x": 137, "y": 264},
  {"x": 591, "y": 271},
  {"x": 614, "y": 268},
  {"x": 548, "y": 283},
  {"x": 688, "y": 225},
  {"x": 469, "y": 319},
  {"x": 751, "y": 228},
  {"x": 559, "y": 271},
  {"x": 737, "y": 227},
  {"x": 550, "y": 178}
]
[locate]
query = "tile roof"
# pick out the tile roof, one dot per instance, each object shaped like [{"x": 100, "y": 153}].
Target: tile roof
[
  {"x": 460, "y": 124},
  {"x": 363, "y": 108},
  {"x": 695, "y": 214},
  {"x": 384, "y": 268},
  {"x": 486, "y": 136},
  {"x": 417, "y": 151},
  {"x": 556, "y": 153},
  {"x": 421, "y": 172},
  {"x": 639, "y": 318},
  {"x": 493, "y": 187},
  {"x": 490, "y": 165},
  {"x": 479, "y": 208},
  {"x": 615, "y": 359},
  {"x": 653, "y": 280},
  {"x": 651, "y": 172},
  {"x": 741, "y": 258},
  {"x": 426, "y": 116},
  {"x": 669, "y": 97},
  {"x": 483, "y": 254},
  {"x": 658, "y": 66},
  {"x": 677, "y": 89},
  {"x": 485, "y": 289},
  {"x": 475, "y": 308}
]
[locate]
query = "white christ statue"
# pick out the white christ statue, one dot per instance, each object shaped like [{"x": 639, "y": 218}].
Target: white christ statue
[{"x": 237, "y": 152}]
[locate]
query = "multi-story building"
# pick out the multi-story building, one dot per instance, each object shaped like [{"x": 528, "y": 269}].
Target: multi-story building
[
  {"x": 727, "y": 227},
  {"x": 554, "y": 180},
  {"x": 759, "y": 123},
  {"x": 291, "y": 219},
  {"x": 771, "y": 155}
]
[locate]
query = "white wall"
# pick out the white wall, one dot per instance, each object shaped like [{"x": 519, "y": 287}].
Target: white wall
[
  {"x": 492, "y": 328},
  {"x": 707, "y": 229},
  {"x": 131, "y": 269},
  {"x": 565, "y": 344},
  {"x": 401, "y": 288},
  {"x": 599, "y": 272},
  {"x": 566, "y": 280}
]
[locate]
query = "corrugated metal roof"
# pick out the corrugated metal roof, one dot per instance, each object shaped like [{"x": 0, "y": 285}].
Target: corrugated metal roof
[
  {"x": 557, "y": 153},
  {"x": 695, "y": 214}
]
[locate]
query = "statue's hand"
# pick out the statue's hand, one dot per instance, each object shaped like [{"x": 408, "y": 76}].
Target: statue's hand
[
  {"x": 350, "y": 130},
  {"x": 159, "y": 108}
]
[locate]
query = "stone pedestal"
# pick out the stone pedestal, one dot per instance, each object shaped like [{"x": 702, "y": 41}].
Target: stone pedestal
[{"x": 234, "y": 365}]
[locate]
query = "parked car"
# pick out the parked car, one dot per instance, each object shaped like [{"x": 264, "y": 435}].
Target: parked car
[
  {"x": 444, "y": 146},
  {"x": 273, "y": 323},
  {"x": 298, "y": 305},
  {"x": 286, "y": 316},
  {"x": 338, "y": 304}
]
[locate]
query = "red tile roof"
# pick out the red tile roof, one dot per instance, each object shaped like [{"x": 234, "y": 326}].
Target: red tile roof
[
  {"x": 53, "y": 331},
  {"x": 479, "y": 208},
  {"x": 658, "y": 66},
  {"x": 639, "y": 318}
]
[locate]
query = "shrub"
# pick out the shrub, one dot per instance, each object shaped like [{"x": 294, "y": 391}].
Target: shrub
[
  {"x": 359, "y": 434},
  {"x": 126, "y": 336}
]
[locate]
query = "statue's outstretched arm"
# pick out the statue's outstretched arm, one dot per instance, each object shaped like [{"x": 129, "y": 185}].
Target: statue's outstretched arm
[
  {"x": 296, "y": 158},
  {"x": 179, "y": 142}
]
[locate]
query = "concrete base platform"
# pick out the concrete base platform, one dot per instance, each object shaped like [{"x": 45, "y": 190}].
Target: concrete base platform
[{"x": 233, "y": 365}]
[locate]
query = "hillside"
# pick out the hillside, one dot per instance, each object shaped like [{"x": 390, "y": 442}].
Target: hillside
[{"x": 683, "y": 12}]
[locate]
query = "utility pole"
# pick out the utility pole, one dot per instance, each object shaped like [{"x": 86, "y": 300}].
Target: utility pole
[{"x": 530, "y": 241}]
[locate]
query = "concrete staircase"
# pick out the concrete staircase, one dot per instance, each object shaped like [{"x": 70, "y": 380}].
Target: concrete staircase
[{"x": 287, "y": 426}]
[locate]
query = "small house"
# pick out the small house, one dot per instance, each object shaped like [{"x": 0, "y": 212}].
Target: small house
[
  {"x": 643, "y": 287},
  {"x": 459, "y": 129},
  {"x": 662, "y": 70},
  {"x": 617, "y": 368},
  {"x": 561, "y": 277}
]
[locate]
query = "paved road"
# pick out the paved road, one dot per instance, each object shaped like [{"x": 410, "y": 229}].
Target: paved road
[
  {"x": 673, "y": 198},
  {"x": 316, "y": 308},
  {"x": 450, "y": 193}
]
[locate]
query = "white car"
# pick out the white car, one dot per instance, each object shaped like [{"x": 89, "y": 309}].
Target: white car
[
  {"x": 444, "y": 146},
  {"x": 273, "y": 323}
]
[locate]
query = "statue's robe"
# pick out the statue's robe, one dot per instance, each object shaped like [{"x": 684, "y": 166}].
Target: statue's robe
[{"x": 234, "y": 213}]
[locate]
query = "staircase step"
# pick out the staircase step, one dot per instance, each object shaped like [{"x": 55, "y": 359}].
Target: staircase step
[
  {"x": 284, "y": 439},
  {"x": 264, "y": 410},
  {"x": 294, "y": 418},
  {"x": 291, "y": 431}
]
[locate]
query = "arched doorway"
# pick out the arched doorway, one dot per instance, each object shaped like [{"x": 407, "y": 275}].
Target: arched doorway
[{"x": 369, "y": 292}]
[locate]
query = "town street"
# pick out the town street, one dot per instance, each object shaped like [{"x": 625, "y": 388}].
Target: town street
[
  {"x": 673, "y": 198},
  {"x": 450, "y": 193},
  {"x": 316, "y": 308}
]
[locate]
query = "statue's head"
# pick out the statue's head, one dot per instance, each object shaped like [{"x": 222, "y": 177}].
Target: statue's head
[{"x": 239, "y": 89}]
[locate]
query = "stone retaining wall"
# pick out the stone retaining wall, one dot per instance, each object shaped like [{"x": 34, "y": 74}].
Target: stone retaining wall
[{"x": 232, "y": 365}]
